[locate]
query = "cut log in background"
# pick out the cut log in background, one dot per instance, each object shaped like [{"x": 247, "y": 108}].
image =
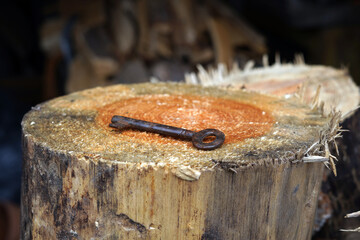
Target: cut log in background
[
  {"x": 332, "y": 88},
  {"x": 82, "y": 179},
  {"x": 131, "y": 41}
]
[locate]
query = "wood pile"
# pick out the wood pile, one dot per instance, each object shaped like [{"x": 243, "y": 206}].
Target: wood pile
[{"x": 131, "y": 41}]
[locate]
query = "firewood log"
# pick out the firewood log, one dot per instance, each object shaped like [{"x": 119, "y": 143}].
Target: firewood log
[{"x": 83, "y": 179}]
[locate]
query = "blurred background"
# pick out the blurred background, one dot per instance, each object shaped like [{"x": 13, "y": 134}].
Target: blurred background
[{"x": 51, "y": 48}]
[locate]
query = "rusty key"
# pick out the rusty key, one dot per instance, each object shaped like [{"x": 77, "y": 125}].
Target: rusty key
[{"x": 197, "y": 138}]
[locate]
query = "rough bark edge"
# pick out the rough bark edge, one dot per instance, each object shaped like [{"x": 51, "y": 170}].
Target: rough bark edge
[{"x": 319, "y": 151}]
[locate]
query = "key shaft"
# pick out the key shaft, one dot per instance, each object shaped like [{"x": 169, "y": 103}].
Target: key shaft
[
  {"x": 125, "y": 122},
  {"x": 197, "y": 138}
]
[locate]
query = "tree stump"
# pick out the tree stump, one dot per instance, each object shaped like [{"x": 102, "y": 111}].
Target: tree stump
[{"x": 85, "y": 180}]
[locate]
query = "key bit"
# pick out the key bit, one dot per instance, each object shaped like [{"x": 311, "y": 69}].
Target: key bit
[{"x": 197, "y": 138}]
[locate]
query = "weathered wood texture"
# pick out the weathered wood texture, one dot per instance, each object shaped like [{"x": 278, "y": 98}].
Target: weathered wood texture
[{"x": 82, "y": 180}]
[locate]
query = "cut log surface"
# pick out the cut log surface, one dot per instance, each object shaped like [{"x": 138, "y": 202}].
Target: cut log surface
[{"x": 85, "y": 180}]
